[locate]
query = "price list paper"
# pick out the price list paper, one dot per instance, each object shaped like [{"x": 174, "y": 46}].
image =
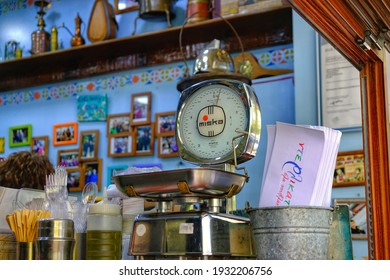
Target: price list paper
[{"x": 340, "y": 90}]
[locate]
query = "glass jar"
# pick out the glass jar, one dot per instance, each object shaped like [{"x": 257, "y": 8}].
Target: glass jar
[{"x": 104, "y": 232}]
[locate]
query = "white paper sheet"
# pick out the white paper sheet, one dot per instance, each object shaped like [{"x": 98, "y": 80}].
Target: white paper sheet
[{"x": 299, "y": 165}]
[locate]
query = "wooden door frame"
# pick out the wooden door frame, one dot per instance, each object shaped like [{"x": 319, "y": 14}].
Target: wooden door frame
[{"x": 335, "y": 22}]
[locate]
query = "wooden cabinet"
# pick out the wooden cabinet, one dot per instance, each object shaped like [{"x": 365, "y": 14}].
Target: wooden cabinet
[
  {"x": 255, "y": 30},
  {"x": 359, "y": 29}
]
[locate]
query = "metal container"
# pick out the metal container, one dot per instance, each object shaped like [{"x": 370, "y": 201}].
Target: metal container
[
  {"x": 55, "y": 239},
  {"x": 149, "y": 9},
  {"x": 54, "y": 249},
  {"x": 198, "y": 10},
  {"x": 40, "y": 41},
  {"x": 56, "y": 228},
  {"x": 156, "y": 9},
  {"x": 291, "y": 232},
  {"x": 25, "y": 250},
  {"x": 191, "y": 235}
]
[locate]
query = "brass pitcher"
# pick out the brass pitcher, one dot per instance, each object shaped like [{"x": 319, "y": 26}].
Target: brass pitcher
[{"x": 77, "y": 39}]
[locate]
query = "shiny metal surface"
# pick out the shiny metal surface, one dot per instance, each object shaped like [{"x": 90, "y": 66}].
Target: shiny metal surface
[
  {"x": 199, "y": 182},
  {"x": 291, "y": 232},
  {"x": 193, "y": 235},
  {"x": 54, "y": 249},
  {"x": 246, "y": 146},
  {"x": 55, "y": 228},
  {"x": 214, "y": 59},
  {"x": 157, "y": 9}
]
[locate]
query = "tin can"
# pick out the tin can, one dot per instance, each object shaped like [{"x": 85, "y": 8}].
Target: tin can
[{"x": 198, "y": 10}]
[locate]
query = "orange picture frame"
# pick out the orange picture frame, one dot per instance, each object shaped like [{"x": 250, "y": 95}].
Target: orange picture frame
[{"x": 65, "y": 134}]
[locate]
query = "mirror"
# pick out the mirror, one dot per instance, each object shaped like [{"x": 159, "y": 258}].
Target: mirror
[
  {"x": 125, "y": 6},
  {"x": 332, "y": 19}
]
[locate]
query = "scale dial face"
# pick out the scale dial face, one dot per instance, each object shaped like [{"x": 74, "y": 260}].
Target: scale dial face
[{"x": 208, "y": 120}]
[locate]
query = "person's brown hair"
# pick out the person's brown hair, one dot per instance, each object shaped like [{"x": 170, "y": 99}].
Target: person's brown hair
[{"x": 25, "y": 170}]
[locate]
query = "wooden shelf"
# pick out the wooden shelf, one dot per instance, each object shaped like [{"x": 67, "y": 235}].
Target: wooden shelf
[{"x": 255, "y": 31}]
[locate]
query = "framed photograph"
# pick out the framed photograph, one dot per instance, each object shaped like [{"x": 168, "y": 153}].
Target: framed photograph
[
  {"x": 20, "y": 135},
  {"x": 167, "y": 146},
  {"x": 120, "y": 146},
  {"x": 124, "y": 6},
  {"x": 93, "y": 172},
  {"x": 350, "y": 169},
  {"x": 144, "y": 143},
  {"x": 2, "y": 145},
  {"x": 140, "y": 108},
  {"x": 358, "y": 216},
  {"x": 112, "y": 171},
  {"x": 118, "y": 123},
  {"x": 166, "y": 123},
  {"x": 92, "y": 108},
  {"x": 89, "y": 145},
  {"x": 68, "y": 158},
  {"x": 76, "y": 179},
  {"x": 65, "y": 134},
  {"x": 40, "y": 145}
]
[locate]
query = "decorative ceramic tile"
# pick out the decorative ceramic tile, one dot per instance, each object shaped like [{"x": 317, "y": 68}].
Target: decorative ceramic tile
[{"x": 274, "y": 57}]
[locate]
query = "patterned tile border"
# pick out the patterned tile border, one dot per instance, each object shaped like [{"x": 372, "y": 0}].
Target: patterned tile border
[{"x": 109, "y": 84}]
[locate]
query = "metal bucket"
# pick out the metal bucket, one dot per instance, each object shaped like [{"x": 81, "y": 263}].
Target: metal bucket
[{"x": 291, "y": 232}]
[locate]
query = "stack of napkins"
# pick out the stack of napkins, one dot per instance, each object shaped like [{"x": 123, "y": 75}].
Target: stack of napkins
[{"x": 299, "y": 165}]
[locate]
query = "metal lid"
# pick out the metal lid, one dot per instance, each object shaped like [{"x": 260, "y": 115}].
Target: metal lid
[{"x": 214, "y": 59}]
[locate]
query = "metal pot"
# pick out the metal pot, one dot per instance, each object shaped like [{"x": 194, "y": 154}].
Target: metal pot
[
  {"x": 149, "y": 9},
  {"x": 156, "y": 9}
]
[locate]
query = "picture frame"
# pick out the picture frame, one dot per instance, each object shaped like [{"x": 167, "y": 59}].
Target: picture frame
[
  {"x": 2, "y": 145},
  {"x": 167, "y": 146},
  {"x": 121, "y": 145},
  {"x": 165, "y": 123},
  {"x": 358, "y": 216},
  {"x": 65, "y": 134},
  {"x": 40, "y": 145},
  {"x": 349, "y": 169},
  {"x": 89, "y": 145},
  {"x": 141, "y": 108},
  {"x": 68, "y": 158},
  {"x": 144, "y": 141},
  {"x": 92, "y": 108},
  {"x": 20, "y": 135},
  {"x": 112, "y": 170},
  {"x": 76, "y": 179},
  {"x": 124, "y": 6},
  {"x": 118, "y": 123},
  {"x": 93, "y": 172}
]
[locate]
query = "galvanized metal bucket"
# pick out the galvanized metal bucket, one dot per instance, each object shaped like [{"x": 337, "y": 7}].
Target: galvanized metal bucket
[{"x": 291, "y": 232}]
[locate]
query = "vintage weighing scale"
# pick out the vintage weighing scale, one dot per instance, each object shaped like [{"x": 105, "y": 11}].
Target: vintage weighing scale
[{"x": 218, "y": 127}]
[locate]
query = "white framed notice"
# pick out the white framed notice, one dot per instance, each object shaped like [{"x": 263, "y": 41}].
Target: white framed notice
[{"x": 340, "y": 91}]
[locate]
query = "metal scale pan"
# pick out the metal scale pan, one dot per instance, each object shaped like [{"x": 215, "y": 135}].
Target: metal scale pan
[{"x": 199, "y": 182}]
